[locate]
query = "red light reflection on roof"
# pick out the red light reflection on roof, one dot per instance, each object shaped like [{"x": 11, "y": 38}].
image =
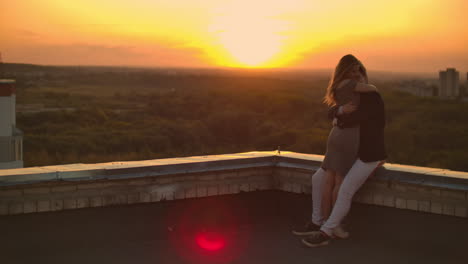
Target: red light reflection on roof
[
  {"x": 208, "y": 230},
  {"x": 210, "y": 241}
]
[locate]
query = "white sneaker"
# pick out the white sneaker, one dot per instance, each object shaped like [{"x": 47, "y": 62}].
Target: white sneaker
[{"x": 339, "y": 232}]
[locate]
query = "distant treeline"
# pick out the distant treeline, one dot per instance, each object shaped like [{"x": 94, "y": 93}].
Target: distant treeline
[{"x": 121, "y": 117}]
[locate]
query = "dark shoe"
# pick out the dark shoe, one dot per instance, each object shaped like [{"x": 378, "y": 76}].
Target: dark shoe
[
  {"x": 308, "y": 229},
  {"x": 317, "y": 239}
]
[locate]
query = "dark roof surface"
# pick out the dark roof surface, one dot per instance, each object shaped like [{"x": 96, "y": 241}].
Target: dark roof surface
[{"x": 248, "y": 228}]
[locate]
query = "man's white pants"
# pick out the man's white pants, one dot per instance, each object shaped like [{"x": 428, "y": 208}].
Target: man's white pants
[{"x": 355, "y": 178}]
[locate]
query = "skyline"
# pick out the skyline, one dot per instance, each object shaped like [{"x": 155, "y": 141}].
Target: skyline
[{"x": 408, "y": 36}]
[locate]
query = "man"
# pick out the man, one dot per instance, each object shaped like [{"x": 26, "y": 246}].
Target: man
[{"x": 370, "y": 115}]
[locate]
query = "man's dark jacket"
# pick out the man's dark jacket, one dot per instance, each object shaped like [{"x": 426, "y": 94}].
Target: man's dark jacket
[{"x": 370, "y": 115}]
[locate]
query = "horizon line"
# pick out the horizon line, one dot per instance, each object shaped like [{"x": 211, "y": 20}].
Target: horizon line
[{"x": 297, "y": 69}]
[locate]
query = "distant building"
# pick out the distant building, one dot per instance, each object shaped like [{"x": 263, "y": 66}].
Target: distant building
[
  {"x": 449, "y": 83},
  {"x": 423, "y": 88},
  {"x": 464, "y": 91},
  {"x": 11, "y": 138}
]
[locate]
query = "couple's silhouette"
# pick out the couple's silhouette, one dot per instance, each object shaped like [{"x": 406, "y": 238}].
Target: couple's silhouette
[{"x": 355, "y": 148}]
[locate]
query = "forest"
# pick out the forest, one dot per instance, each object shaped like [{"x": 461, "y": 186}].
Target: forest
[{"x": 91, "y": 115}]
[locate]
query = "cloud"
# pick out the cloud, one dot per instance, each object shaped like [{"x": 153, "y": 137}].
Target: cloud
[
  {"x": 26, "y": 33},
  {"x": 391, "y": 53},
  {"x": 100, "y": 54}
]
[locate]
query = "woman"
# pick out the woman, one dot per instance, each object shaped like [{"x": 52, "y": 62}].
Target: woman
[{"x": 350, "y": 76}]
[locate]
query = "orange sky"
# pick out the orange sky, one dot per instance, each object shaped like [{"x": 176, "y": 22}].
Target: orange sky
[{"x": 398, "y": 35}]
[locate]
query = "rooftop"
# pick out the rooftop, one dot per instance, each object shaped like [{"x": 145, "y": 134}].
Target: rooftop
[
  {"x": 233, "y": 208},
  {"x": 254, "y": 226}
]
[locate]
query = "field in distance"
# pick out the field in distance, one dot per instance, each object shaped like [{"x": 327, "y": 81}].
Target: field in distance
[{"x": 99, "y": 114}]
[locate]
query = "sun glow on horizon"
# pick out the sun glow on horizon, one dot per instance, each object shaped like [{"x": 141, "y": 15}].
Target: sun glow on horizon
[
  {"x": 236, "y": 33},
  {"x": 248, "y": 35},
  {"x": 250, "y": 48}
]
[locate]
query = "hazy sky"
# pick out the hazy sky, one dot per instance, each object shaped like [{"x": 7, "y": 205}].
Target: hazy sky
[{"x": 398, "y": 35}]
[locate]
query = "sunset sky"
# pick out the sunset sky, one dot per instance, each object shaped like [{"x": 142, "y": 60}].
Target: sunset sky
[{"x": 398, "y": 35}]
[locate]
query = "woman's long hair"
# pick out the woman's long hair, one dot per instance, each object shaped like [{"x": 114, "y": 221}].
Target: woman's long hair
[{"x": 342, "y": 71}]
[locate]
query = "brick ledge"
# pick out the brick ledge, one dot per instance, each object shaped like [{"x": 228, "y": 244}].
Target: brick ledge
[{"x": 54, "y": 188}]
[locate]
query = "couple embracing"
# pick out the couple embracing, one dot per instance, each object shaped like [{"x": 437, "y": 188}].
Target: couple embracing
[{"x": 355, "y": 148}]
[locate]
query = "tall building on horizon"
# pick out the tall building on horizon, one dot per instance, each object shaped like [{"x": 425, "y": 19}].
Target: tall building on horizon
[
  {"x": 11, "y": 138},
  {"x": 465, "y": 89},
  {"x": 449, "y": 83}
]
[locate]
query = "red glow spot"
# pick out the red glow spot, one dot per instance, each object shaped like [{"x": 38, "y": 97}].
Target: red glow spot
[{"x": 210, "y": 241}]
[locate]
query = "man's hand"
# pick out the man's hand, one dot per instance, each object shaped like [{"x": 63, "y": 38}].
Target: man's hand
[
  {"x": 348, "y": 108},
  {"x": 335, "y": 121}
]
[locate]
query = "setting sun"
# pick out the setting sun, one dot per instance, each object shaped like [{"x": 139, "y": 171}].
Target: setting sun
[
  {"x": 249, "y": 37},
  {"x": 240, "y": 33},
  {"x": 251, "y": 47}
]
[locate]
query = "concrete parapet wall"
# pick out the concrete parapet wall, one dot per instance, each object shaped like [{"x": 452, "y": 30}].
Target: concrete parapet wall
[{"x": 55, "y": 188}]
